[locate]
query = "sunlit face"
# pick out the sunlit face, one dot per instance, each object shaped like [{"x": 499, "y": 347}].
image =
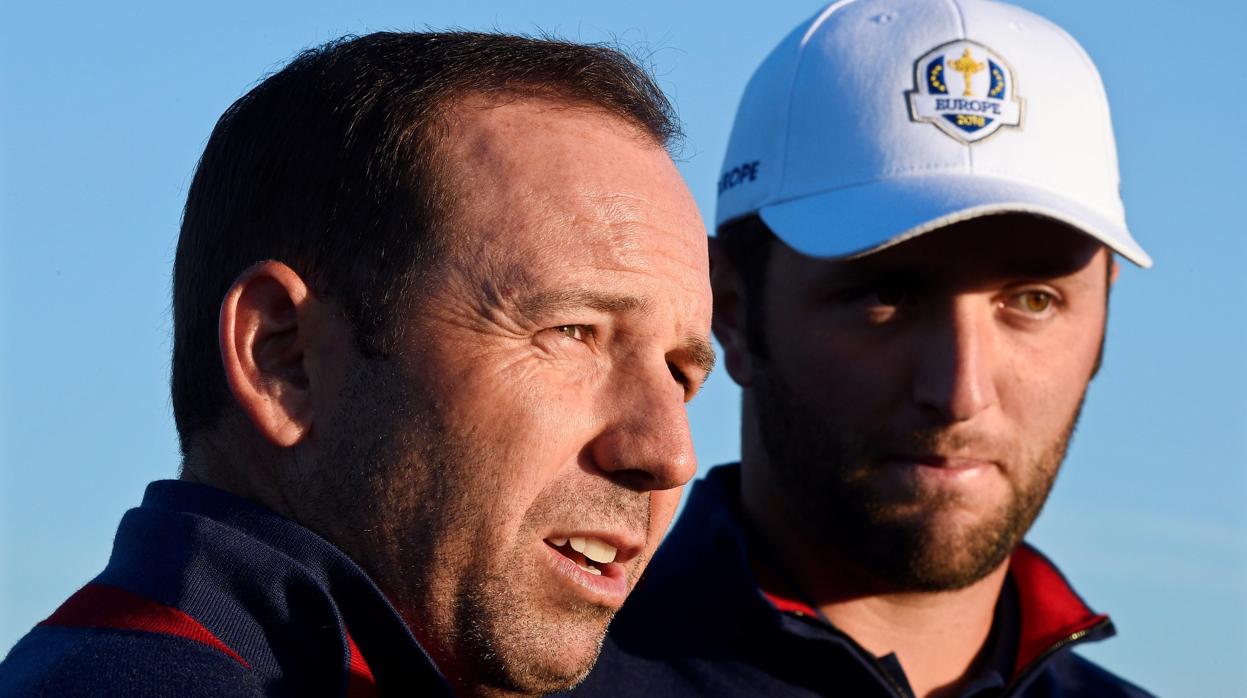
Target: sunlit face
[
  {"x": 913, "y": 406},
  {"x": 522, "y": 451}
]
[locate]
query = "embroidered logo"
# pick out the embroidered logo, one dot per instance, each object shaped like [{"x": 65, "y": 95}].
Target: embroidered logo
[{"x": 966, "y": 90}]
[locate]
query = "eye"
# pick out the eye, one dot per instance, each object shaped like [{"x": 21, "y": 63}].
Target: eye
[
  {"x": 889, "y": 295},
  {"x": 1034, "y": 302},
  {"x": 883, "y": 303},
  {"x": 576, "y": 332}
]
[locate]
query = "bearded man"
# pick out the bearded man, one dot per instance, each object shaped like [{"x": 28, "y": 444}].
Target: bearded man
[
  {"x": 439, "y": 301},
  {"x": 918, "y": 218}
]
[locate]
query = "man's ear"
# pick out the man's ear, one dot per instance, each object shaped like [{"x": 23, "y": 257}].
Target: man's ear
[
  {"x": 729, "y": 318},
  {"x": 264, "y": 340}
]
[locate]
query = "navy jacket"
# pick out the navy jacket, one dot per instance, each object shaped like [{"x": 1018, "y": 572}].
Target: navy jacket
[
  {"x": 698, "y": 625},
  {"x": 207, "y": 594}
]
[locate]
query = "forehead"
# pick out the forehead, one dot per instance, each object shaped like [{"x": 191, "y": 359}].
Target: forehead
[
  {"x": 551, "y": 182},
  {"x": 987, "y": 248}
]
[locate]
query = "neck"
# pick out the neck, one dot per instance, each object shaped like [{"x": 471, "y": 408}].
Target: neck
[
  {"x": 940, "y": 638},
  {"x": 241, "y": 469}
]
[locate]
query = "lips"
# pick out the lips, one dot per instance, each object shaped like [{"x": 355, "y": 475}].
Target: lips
[
  {"x": 935, "y": 460},
  {"x": 593, "y": 564},
  {"x": 595, "y": 551},
  {"x": 930, "y": 470}
]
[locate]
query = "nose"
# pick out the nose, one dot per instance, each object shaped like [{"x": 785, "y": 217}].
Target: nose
[
  {"x": 955, "y": 370},
  {"x": 646, "y": 444}
]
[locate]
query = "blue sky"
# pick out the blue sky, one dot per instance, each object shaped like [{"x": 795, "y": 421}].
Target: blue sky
[{"x": 105, "y": 107}]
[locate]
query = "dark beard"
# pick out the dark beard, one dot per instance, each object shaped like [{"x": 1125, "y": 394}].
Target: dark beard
[{"x": 823, "y": 470}]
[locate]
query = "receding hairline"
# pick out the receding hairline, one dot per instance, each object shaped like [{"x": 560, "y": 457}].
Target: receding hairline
[{"x": 457, "y": 103}]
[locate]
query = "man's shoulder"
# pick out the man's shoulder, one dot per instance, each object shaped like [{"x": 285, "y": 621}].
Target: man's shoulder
[
  {"x": 1071, "y": 674},
  {"x": 62, "y": 661}
]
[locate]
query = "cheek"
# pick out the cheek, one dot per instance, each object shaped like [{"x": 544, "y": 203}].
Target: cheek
[
  {"x": 528, "y": 422},
  {"x": 834, "y": 370},
  {"x": 1044, "y": 382}
]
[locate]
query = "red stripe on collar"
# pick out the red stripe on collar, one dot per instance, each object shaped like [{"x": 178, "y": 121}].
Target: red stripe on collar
[
  {"x": 102, "y": 606},
  {"x": 1051, "y": 612},
  {"x": 787, "y": 605},
  {"x": 359, "y": 680}
]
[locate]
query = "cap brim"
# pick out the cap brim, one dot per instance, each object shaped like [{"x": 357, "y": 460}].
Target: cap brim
[{"x": 855, "y": 221}]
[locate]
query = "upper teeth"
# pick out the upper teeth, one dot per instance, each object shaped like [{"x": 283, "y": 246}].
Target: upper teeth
[{"x": 592, "y": 548}]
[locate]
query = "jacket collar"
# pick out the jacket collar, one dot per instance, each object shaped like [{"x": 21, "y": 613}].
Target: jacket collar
[
  {"x": 1052, "y": 615},
  {"x": 271, "y": 590}
]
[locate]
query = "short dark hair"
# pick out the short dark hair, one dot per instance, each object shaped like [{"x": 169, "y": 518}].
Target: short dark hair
[
  {"x": 329, "y": 165},
  {"x": 747, "y": 243}
]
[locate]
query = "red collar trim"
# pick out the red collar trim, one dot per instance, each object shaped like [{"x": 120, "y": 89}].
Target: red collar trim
[
  {"x": 102, "y": 606},
  {"x": 1051, "y": 612},
  {"x": 359, "y": 680},
  {"x": 787, "y": 605}
]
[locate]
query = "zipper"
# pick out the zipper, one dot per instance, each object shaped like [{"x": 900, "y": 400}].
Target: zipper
[
  {"x": 894, "y": 689},
  {"x": 1039, "y": 661},
  {"x": 892, "y": 684}
]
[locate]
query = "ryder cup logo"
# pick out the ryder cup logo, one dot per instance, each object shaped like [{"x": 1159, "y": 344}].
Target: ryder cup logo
[{"x": 965, "y": 89}]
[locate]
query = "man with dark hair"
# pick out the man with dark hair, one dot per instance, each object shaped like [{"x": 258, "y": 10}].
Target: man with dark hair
[
  {"x": 917, "y": 221},
  {"x": 439, "y": 301}
]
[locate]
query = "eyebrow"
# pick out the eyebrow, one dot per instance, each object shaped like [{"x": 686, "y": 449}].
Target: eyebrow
[
  {"x": 1052, "y": 268},
  {"x": 701, "y": 353},
  {"x": 554, "y": 301},
  {"x": 919, "y": 277},
  {"x": 698, "y": 349}
]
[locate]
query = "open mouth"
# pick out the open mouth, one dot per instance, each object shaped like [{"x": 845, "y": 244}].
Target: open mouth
[{"x": 589, "y": 554}]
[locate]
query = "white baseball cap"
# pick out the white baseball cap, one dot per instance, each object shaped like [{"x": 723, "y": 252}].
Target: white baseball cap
[{"x": 879, "y": 120}]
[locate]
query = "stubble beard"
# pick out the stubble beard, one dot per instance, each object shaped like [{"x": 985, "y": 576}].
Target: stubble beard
[
  {"x": 823, "y": 470},
  {"x": 393, "y": 495},
  {"x": 516, "y": 646}
]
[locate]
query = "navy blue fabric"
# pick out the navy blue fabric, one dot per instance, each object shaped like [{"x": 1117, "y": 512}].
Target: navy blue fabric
[
  {"x": 55, "y": 662},
  {"x": 697, "y": 625},
  {"x": 272, "y": 591}
]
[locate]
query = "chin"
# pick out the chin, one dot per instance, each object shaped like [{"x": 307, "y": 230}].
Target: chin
[
  {"x": 952, "y": 555},
  {"x": 558, "y": 673},
  {"x": 543, "y": 655},
  {"x": 561, "y": 677}
]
